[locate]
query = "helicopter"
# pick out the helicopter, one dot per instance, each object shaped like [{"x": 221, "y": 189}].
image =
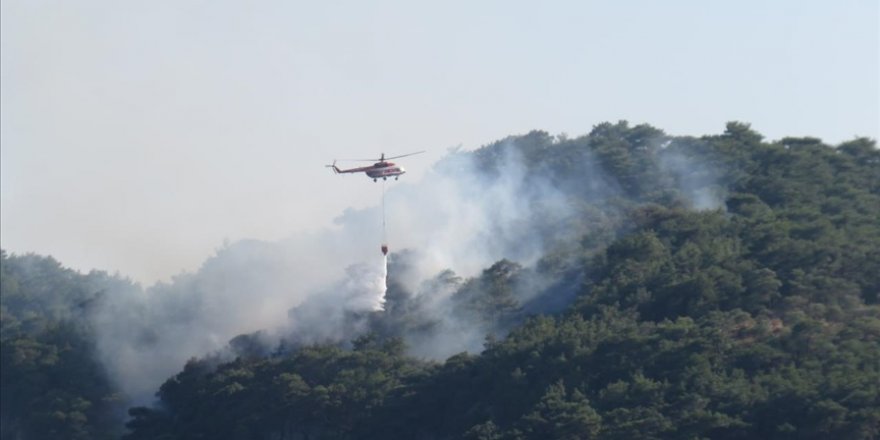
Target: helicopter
[{"x": 382, "y": 169}]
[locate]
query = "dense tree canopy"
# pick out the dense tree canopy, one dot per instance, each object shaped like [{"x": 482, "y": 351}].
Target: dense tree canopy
[{"x": 51, "y": 384}]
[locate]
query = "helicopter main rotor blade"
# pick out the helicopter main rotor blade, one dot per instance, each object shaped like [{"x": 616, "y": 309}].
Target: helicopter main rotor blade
[
  {"x": 404, "y": 155},
  {"x": 380, "y": 159},
  {"x": 359, "y": 160}
]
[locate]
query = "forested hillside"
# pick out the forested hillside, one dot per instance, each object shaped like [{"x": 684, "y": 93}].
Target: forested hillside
[
  {"x": 51, "y": 383},
  {"x": 720, "y": 287}
]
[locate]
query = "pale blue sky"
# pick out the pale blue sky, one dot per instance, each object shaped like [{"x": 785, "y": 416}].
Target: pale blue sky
[{"x": 137, "y": 136}]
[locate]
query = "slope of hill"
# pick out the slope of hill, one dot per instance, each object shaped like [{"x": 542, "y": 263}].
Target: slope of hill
[
  {"x": 716, "y": 287},
  {"x": 725, "y": 288},
  {"x": 51, "y": 381}
]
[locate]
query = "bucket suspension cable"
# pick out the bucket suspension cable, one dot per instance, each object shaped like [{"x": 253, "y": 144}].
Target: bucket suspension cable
[{"x": 384, "y": 233}]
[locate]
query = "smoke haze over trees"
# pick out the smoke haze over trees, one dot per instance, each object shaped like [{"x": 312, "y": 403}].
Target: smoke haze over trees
[{"x": 621, "y": 284}]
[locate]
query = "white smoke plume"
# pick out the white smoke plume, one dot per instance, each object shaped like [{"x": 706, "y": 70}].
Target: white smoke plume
[
  {"x": 470, "y": 211},
  {"x": 333, "y": 314},
  {"x": 697, "y": 179},
  {"x": 457, "y": 217}
]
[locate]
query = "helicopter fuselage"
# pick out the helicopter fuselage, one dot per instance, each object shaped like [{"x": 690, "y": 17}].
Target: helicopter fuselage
[
  {"x": 385, "y": 170},
  {"x": 379, "y": 170}
]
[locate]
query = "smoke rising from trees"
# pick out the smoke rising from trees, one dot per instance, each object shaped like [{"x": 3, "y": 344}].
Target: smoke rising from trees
[
  {"x": 615, "y": 238},
  {"x": 507, "y": 201}
]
